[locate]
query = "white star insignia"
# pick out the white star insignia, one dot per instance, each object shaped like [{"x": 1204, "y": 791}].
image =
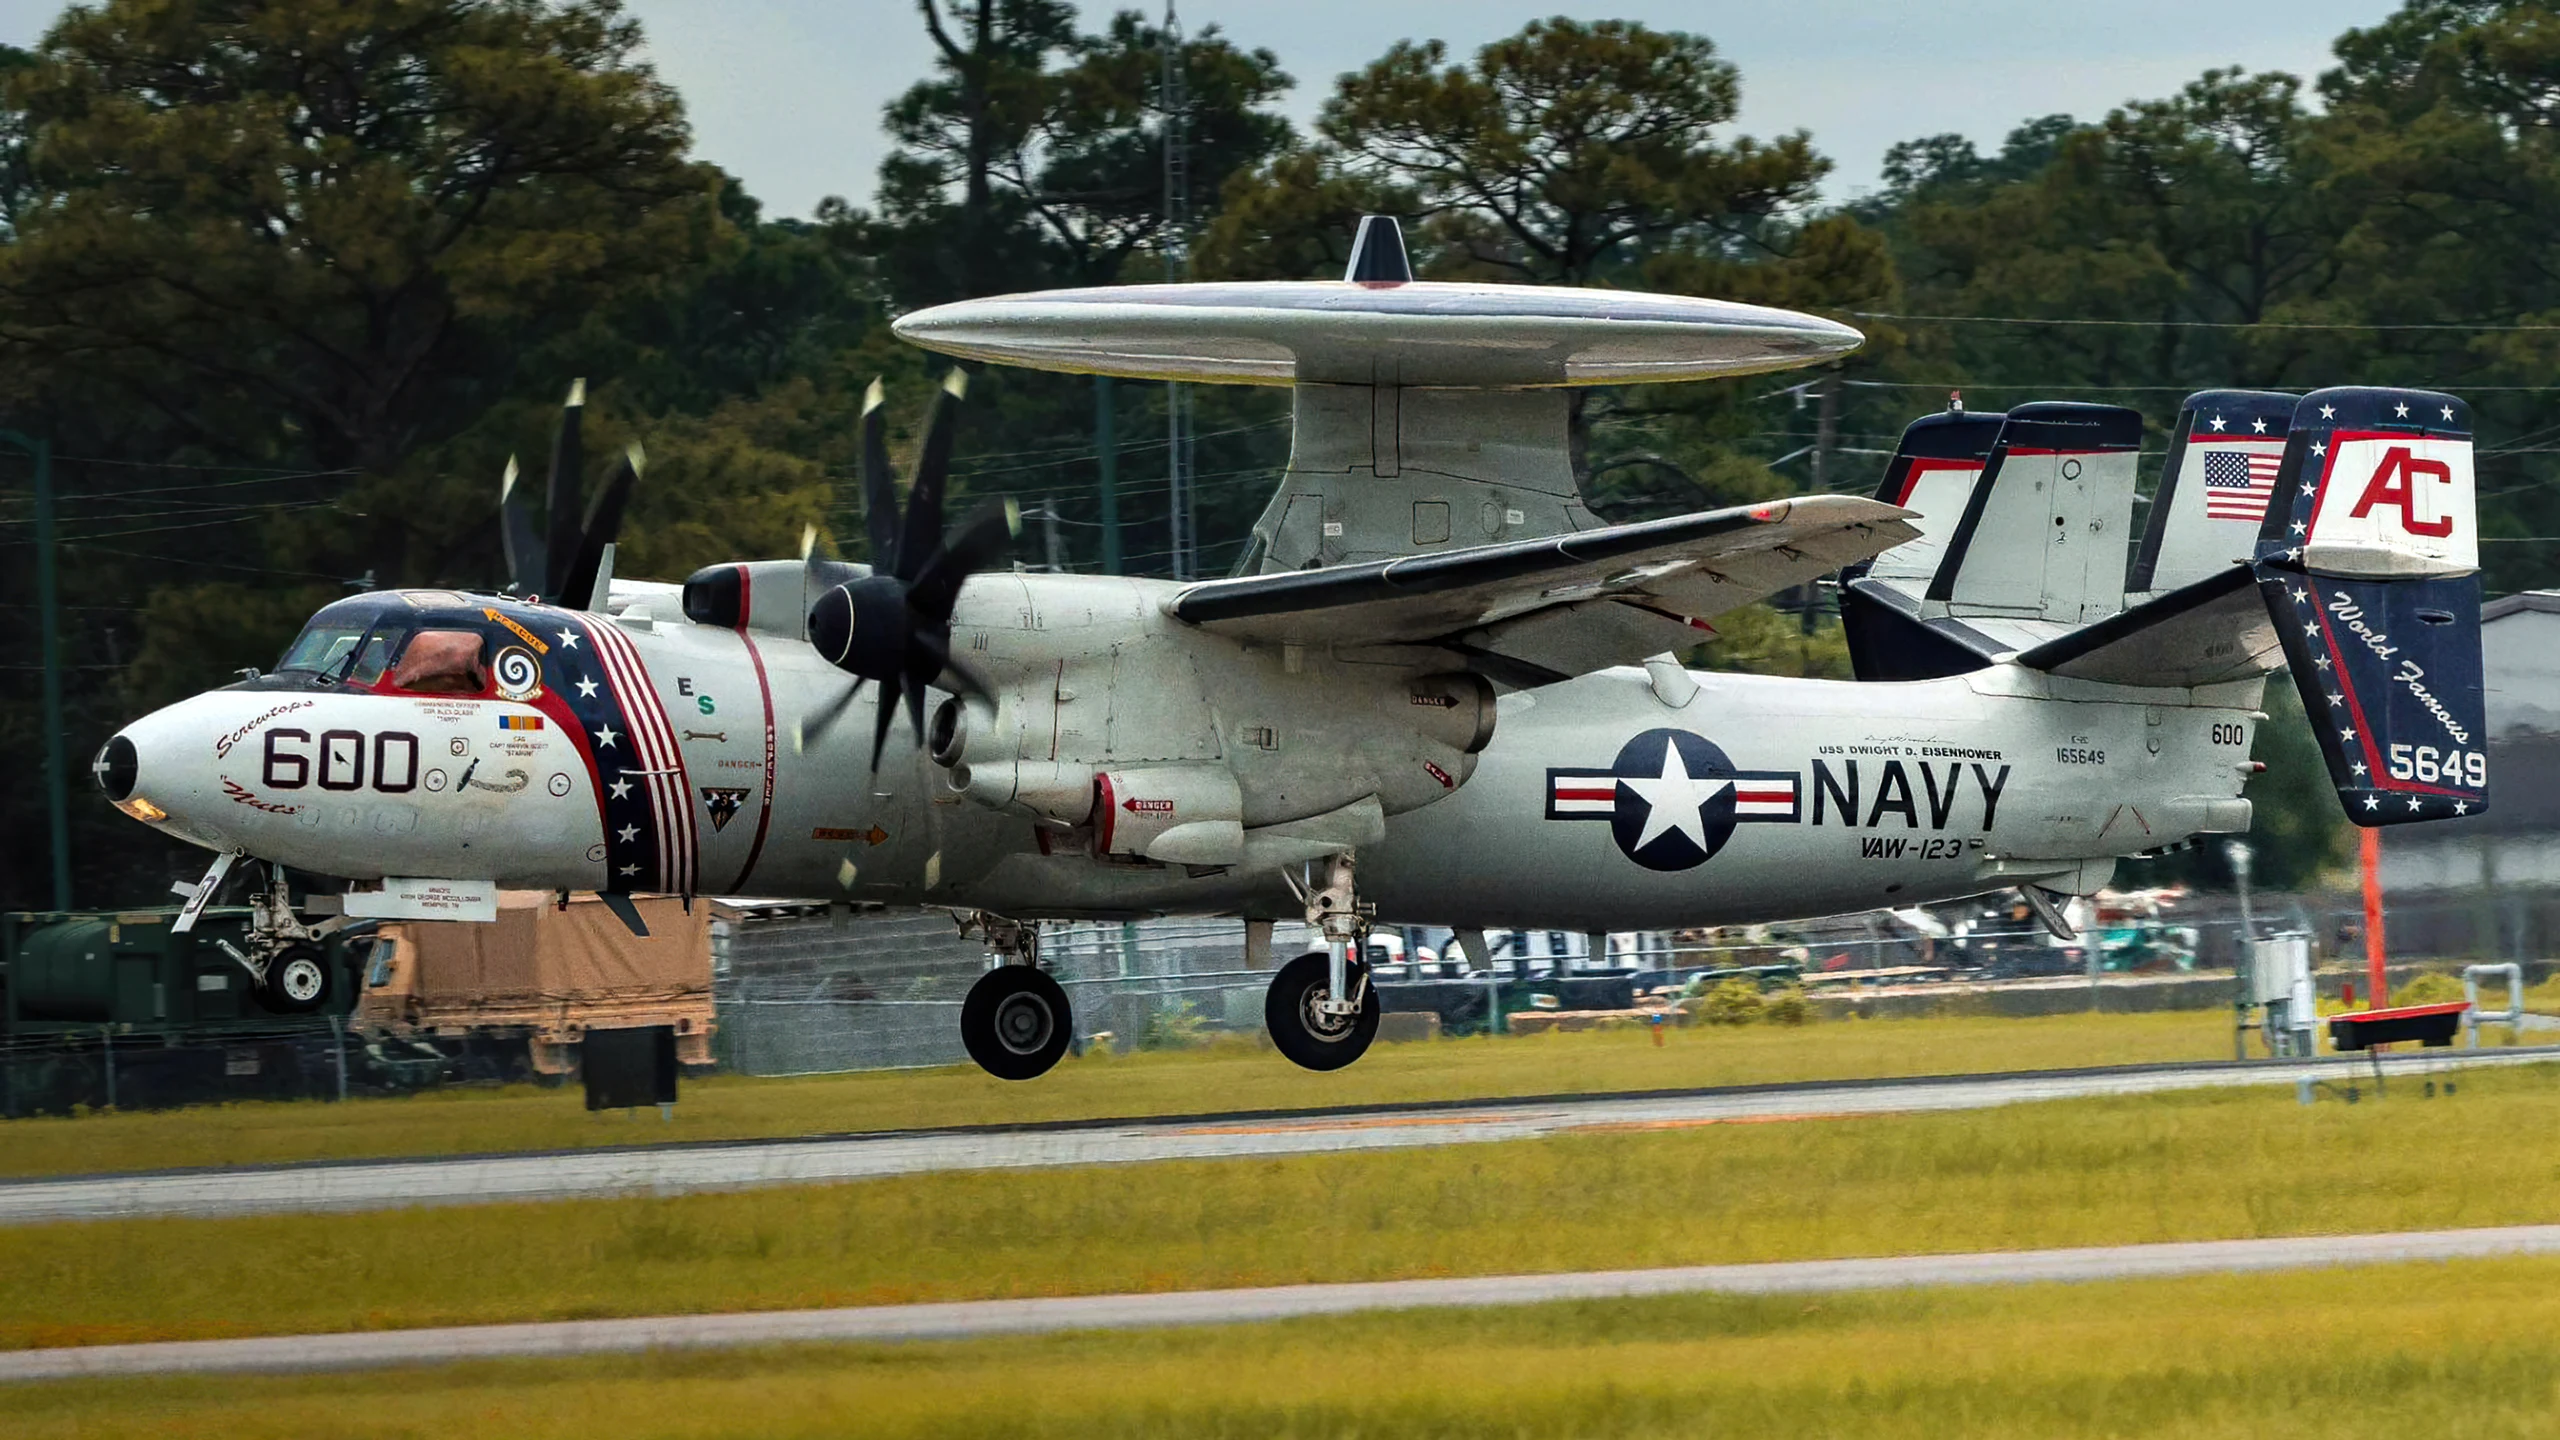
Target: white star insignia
[
  {"x": 587, "y": 688},
  {"x": 2328, "y": 412},
  {"x": 605, "y": 738},
  {"x": 2461, "y": 807},
  {"x": 2319, "y": 447},
  {"x": 2358, "y": 767},
  {"x": 2448, "y": 412},
  {"x": 2320, "y": 660},
  {"x": 2217, "y": 422},
  {"x": 2347, "y": 735},
  {"x": 630, "y": 870},
  {"x": 2371, "y": 803},
  {"x": 2413, "y": 802},
  {"x": 627, "y": 834},
  {"x": 2297, "y": 527},
  {"x": 2337, "y": 699},
  {"x": 568, "y": 639},
  {"x": 2300, "y": 595},
  {"x": 2401, "y": 409},
  {"x": 2260, "y": 426},
  {"x": 1673, "y": 800},
  {"x": 621, "y": 789},
  {"x": 2310, "y": 629},
  {"x": 2310, "y": 489}
]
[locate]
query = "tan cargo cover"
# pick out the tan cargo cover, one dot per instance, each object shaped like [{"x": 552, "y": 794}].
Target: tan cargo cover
[{"x": 553, "y": 974}]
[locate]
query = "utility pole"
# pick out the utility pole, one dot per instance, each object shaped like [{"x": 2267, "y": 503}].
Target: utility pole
[
  {"x": 1181, "y": 513},
  {"x": 1107, "y": 445},
  {"x": 1826, "y": 443},
  {"x": 1049, "y": 535},
  {"x": 48, "y": 621}
]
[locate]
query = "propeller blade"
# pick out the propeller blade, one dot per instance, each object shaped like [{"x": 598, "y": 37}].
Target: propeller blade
[
  {"x": 808, "y": 575},
  {"x": 923, "y": 532},
  {"x": 815, "y": 725},
  {"x": 561, "y": 496},
  {"x": 526, "y": 564},
  {"x": 603, "y": 526},
  {"x": 879, "y": 487},
  {"x": 880, "y": 729},
  {"x": 984, "y": 540},
  {"x": 915, "y": 711}
]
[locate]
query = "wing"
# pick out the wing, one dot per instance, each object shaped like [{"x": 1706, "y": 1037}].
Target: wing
[{"x": 1540, "y": 610}]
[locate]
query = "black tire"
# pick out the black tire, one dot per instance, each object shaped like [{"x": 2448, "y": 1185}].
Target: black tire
[
  {"x": 299, "y": 981},
  {"x": 1314, "y": 1041},
  {"x": 1016, "y": 1022}
]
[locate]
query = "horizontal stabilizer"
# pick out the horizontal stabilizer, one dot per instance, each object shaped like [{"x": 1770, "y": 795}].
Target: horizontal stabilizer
[
  {"x": 2206, "y": 633},
  {"x": 2368, "y": 563},
  {"x": 1563, "y": 605}
]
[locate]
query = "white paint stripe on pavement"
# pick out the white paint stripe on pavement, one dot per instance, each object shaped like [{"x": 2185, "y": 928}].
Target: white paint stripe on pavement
[
  {"x": 979, "y": 1318},
  {"x": 677, "y": 1169}
]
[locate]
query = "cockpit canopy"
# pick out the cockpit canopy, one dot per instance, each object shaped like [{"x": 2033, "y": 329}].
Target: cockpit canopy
[{"x": 426, "y": 642}]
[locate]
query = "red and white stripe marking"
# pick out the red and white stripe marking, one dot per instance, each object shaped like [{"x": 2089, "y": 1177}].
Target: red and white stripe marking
[
  {"x": 1584, "y": 795},
  {"x": 1773, "y": 798},
  {"x": 654, "y": 760}
]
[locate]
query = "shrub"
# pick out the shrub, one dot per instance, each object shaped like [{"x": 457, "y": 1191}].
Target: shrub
[
  {"x": 2432, "y": 988},
  {"x": 1176, "y": 1029},
  {"x": 1786, "y": 1007},
  {"x": 1735, "y": 1002}
]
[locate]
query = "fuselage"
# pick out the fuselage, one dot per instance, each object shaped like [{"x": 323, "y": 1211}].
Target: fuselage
[{"x": 657, "y": 755}]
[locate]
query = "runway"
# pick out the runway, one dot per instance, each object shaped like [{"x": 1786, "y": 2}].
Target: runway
[
  {"x": 681, "y": 1168},
  {"x": 982, "y": 1318}
]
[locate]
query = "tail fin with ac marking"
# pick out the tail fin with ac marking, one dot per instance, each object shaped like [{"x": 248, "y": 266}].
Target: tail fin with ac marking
[{"x": 2369, "y": 561}]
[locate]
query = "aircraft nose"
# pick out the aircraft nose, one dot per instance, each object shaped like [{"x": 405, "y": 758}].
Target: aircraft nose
[{"x": 118, "y": 769}]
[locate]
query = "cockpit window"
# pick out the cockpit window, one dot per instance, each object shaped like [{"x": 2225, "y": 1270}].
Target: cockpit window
[
  {"x": 442, "y": 662},
  {"x": 322, "y": 648},
  {"x": 376, "y": 655}
]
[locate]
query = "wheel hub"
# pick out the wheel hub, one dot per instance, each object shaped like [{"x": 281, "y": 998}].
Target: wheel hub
[
  {"x": 1023, "y": 1024},
  {"x": 1321, "y": 1020},
  {"x": 301, "y": 980}
]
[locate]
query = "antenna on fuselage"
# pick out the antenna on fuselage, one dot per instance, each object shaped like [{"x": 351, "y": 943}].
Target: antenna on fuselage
[{"x": 1377, "y": 253}]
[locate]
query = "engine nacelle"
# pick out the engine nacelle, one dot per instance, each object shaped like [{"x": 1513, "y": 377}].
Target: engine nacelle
[{"x": 1179, "y": 814}]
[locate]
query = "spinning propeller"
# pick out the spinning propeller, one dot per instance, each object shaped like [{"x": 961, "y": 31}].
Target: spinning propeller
[
  {"x": 894, "y": 624},
  {"x": 559, "y": 563}
]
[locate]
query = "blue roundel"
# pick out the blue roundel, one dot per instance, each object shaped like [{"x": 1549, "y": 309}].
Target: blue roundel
[{"x": 1675, "y": 800}]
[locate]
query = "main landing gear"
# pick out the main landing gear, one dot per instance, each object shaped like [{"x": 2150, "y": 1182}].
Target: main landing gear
[
  {"x": 1322, "y": 1011},
  {"x": 1016, "y": 1022}
]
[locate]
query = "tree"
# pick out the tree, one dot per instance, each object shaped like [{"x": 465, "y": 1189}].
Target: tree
[
  {"x": 1036, "y": 155},
  {"x": 321, "y": 227}
]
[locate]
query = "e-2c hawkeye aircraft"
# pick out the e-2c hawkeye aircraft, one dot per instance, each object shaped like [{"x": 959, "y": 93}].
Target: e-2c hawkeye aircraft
[{"x": 1437, "y": 688}]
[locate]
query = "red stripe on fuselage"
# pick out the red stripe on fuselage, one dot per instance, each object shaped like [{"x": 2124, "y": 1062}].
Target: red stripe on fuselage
[{"x": 764, "y": 818}]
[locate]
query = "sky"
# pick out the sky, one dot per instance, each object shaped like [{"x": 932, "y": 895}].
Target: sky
[{"x": 786, "y": 94}]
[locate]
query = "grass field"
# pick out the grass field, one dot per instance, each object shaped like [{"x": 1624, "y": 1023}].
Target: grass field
[
  {"x": 2460, "y": 1350},
  {"x": 1227, "y": 1076},
  {"x": 2185, "y": 1166}
]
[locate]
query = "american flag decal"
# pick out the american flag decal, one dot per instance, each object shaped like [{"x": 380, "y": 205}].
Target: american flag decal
[{"x": 2239, "y": 479}]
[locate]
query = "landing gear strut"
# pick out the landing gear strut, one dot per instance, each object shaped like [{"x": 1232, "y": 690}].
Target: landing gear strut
[
  {"x": 287, "y": 960},
  {"x": 1016, "y": 1022},
  {"x": 1322, "y": 1011}
]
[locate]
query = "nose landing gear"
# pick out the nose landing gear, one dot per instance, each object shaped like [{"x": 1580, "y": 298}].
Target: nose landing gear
[
  {"x": 1322, "y": 1011},
  {"x": 1016, "y": 1022},
  {"x": 287, "y": 960}
]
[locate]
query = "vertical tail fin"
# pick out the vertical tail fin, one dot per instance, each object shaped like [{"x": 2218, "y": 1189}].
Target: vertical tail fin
[
  {"x": 1933, "y": 471},
  {"x": 2044, "y": 534},
  {"x": 2369, "y": 561},
  {"x": 2223, "y": 456}
]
